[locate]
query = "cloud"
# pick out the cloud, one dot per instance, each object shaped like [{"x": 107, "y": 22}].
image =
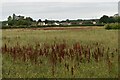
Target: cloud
[
  {"x": 60, "y": 0},
  {"x": 57, "y": 10}
]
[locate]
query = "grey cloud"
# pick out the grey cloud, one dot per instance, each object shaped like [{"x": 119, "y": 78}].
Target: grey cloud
[{"x": 59, "y": 10}]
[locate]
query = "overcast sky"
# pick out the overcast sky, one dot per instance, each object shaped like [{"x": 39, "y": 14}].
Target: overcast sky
[
  {"x": 59, "y": 9},
  {"x": 60, "y": 0}
]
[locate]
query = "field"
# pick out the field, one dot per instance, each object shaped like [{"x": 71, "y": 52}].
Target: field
[{"x": 60, "y": 53}]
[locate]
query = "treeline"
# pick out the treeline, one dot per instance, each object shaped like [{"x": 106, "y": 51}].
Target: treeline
[
  {"x": 110, "y": 22},
  {"x": 107, "y": 19},
  {"x": 27, "y": 22}
]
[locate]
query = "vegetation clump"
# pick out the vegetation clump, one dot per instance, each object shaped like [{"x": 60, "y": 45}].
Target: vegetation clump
[{"x": 112, "y": 26}]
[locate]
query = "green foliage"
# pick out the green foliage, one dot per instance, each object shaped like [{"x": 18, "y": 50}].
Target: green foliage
[
  {"x": 117, "y": 19},
  {"x": 19, "y": 21},
  {"x": 46, "y": 21},
  {"x": 14, "y": 16},
  {"x": 112, "y": 26},
  {"x": 9, "y": 18},
  {"x": 11, "y": 23},
  {"x": 4, "y": 23},
  {"x": 107, "y": 19},
  {"x": 104, "y": 19}
]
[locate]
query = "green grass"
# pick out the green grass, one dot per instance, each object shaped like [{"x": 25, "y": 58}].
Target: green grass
[{"x": 19, "y": 69}]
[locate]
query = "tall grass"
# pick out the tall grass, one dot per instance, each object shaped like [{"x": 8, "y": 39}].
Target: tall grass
[{"x": 60, "y": 54}]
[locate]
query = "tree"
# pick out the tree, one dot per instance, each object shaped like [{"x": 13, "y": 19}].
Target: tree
[
  {"x": 117, "y": 19},
  {"x": 104, "y": 19},
  {"x": 9, "y": 18},
  {"x": 39, "y": 20},
  {"x": 29, "y": 19},
  {"x": 67, "y": 20},
  {"x": 46, "y": 21},
  {"x": 111, "y": 20},
  {"x": 10, "y": 21},
  {"x": 14, "y": 16}
]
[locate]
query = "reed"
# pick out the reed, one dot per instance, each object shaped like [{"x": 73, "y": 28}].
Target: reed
[{"x": 58, "y": 52}]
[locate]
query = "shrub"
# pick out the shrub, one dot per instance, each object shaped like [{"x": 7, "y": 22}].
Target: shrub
[{"x": 112, "y": 26}]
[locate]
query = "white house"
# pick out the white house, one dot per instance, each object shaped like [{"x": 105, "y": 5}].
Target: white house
[
  {"x": 94, "y": 22},
  {"x": 80, "y": 22},
  {"x": 41, "y": 23},
  {"x": 55, "y": 23},
  {"x": 65, "y": 23}
]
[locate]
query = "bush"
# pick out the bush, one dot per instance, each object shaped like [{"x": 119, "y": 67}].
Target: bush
[{"x": 112, "y": 26}]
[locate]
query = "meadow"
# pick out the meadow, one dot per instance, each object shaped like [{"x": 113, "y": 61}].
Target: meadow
[{"x": 60, "y": 53}]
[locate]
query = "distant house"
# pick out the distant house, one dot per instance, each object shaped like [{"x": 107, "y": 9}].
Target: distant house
[
  {"x": 65, "y": 23},
  {"x": 94, "y": 22},
  {"x": 19, "y": 17},
  {"x": 41, "y": 23},
  {"x": 48, "y": 24},
  {"x": 80, "y": 22},
  {"x": 116, "y": 15},
  {"x": 55, "y": 23},
  {"x": 6, "y": 24},
  {"x": 76, "y": 23},
  {"x": 73, "y": 23}
]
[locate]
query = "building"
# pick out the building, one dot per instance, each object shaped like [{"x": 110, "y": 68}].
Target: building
[
  {"x": 18, "y": 17},
  {"x": 116, "y": 15},
  {"x": 55, "y": 23},
  {"x": 41, "y": 23},
  {"x": 65, "y": 23},
  {"x": 94, "y": 22},
  {"x": 80, "y": 22}
]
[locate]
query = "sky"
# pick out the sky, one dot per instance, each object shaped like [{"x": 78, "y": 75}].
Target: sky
[
  {"x": 59, "y": 0},
  {"x": 59, "y": 9}
]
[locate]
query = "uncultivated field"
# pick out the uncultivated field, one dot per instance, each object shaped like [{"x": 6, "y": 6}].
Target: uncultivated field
[{"x": 60, "y": 53}]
